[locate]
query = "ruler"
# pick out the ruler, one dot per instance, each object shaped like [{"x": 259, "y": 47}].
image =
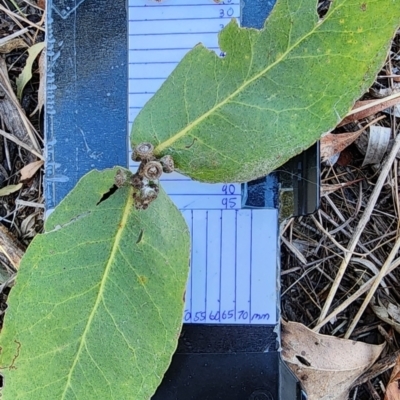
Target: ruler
[{"x": 233, "y": 274}]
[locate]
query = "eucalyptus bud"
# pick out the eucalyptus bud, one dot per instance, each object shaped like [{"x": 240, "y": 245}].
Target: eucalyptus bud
[
  {"x": 152, "y": 170},
  {"x": 143, "y": 152},
  {"x": 167, "y": 163}
]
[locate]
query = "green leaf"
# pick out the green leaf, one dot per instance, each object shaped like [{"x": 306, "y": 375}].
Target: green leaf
[
  {"x": 273, "y": 95},
  {"x": 26, "y": 74},
  {"x": 97, "y": 308},
  {"x": 5, "y": 191}
]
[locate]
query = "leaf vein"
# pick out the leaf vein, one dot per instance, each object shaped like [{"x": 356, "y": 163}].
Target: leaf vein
[
  {"x": 216, "y": 151},
  {"x": 133, "y": 350},
  {"x": 115, "y": 247},
  {"x": 167, "y": 143},
  {"x": 97, "y": 366},
  {"x": 144, "y": 287}
]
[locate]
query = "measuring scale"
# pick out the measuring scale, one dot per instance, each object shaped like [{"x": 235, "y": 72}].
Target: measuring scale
[{"x": 234, "y": 249}]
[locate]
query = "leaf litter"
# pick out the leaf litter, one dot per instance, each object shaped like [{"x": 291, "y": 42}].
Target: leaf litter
[
  {"x": 304, "y": 287},
  {"x": 393, "y": 388},
  {"x": 26, "y": 73},
  {"x": 326, "y": 365},
  {"x": 21, "y": 138},
  {"x": 347, "y": 188}
]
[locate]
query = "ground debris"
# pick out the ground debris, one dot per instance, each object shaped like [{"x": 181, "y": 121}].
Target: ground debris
[
  {"x": 21, "y": 212},
  {"x": 313, "y": 247}
]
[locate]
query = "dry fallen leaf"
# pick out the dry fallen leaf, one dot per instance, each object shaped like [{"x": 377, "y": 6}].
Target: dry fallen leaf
[
  {"x": 366, "y": 108},
  {"x": 13, "y": 116},
  {"x": 5, "y": 191},
  {"x": 393, "y": 387},
  {"x": 387, "y": 312},
  {"x": 29, "y": 224},
  {"x": 26, "y": 74},
  {"x": 326, "y": 366},
  {"x": 394, "y": 111},
  {"x": 29, "y": 170},
  {"x": 332, "y": 144},
  {"x": 42, "y": 82},
  {"x": 12, "y": 44},
  {"x": 374, "y": 144}
]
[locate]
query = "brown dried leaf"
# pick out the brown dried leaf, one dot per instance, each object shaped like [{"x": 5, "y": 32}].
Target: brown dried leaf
[
  {"x": 332, "y": 144},
  {"x": 380, "y": 367},
  {"x": 366, "y": 108},
  {"x": 326, "y": 365},
  {"x": 29, "y": 170},
  {"x": 393, "y": 387},
  {"x": 12, "y": 44},
  {"x": 345, "y": 158}
]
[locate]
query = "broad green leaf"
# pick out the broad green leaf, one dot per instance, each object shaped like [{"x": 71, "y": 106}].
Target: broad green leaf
[
  {"x": 97, "y": 307},
  {"x": 273, "y": 95}
]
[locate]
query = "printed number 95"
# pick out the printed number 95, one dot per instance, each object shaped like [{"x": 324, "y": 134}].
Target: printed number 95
[{"x": 229, "y": 202}]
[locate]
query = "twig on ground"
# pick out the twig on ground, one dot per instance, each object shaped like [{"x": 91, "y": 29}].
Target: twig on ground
[
  {"x": 360, "y": 227},
  {"x": 333, "y": 240},
  {"x": 28, "y": 132},
  {"x": 354, "y": 297},
  {"x": 6, "y": 39},
  {"x": 373, "y": 392},
  {"x": 374, "y": 286},
  {"x": 370, "y": 107},
  {"x": 294, "y": 250},
  {"x": 9, "y": 247},
  {"x": 20, "y": 143},
  {"x": 13, "y": 15}
]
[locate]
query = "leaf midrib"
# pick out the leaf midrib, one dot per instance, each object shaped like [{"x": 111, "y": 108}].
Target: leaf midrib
[
  {"x": 167, "y": 143},
  {"x": 124, "y": 219}
]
